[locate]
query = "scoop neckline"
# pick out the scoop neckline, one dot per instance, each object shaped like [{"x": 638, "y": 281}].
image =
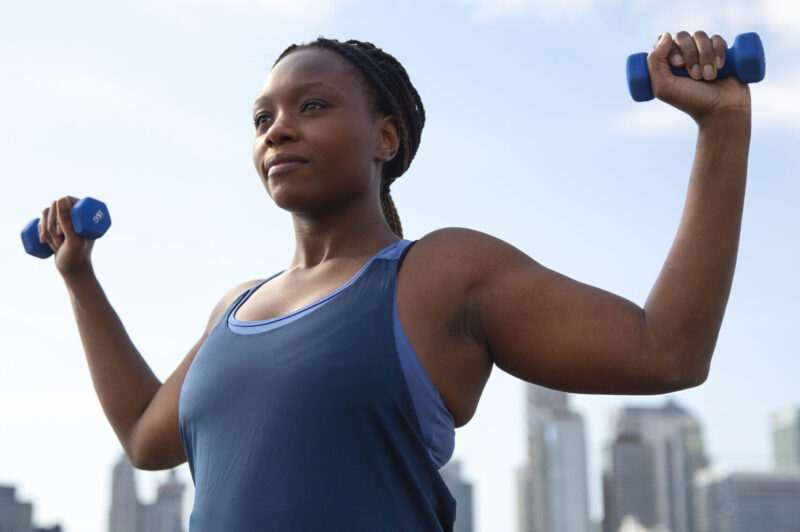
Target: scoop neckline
[{"x": 240, "y": 323}]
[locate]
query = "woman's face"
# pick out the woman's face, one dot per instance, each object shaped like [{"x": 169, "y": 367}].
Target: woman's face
[{"x": 317, "y": 139}]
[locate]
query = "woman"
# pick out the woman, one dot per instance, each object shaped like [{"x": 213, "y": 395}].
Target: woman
[{"x": 325, "y": 397}]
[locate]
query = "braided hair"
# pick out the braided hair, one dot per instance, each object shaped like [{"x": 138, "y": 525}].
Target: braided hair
[{"x": 393, "y": 95}]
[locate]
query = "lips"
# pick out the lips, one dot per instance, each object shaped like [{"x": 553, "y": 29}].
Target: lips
[{"x": 283, "y": 162}]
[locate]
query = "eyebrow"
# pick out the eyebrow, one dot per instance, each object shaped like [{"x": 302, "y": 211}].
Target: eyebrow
[{"x": 265, "y": 99}]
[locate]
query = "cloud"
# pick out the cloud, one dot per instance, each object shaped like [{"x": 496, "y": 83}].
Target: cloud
[
  {"x": 307, "y": 10},
  {"x": 776, "y": 104},
  {"x": 547, "y": 9},
  {"x": 779, "y": 16},
  {"x": 783, "y": 17},
  {"x": 653, "y": 118}
]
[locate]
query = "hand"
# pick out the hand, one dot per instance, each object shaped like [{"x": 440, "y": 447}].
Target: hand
[
  {"x": 702, "y": 96},
  {"x": 72, "y": 252}
]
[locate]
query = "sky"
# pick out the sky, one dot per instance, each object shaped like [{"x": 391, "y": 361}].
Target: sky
[{"x": 531, "y": 136}]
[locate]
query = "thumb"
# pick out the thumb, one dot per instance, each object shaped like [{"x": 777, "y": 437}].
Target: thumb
[
  {"x": 657, "y": 60},
  {"x": 65, "y": 205}
]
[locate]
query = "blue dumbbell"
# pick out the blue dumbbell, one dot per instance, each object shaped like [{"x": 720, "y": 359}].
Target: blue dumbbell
[
  {"x": 745, "y": 60},
  {"x": 90, "y": 219}
]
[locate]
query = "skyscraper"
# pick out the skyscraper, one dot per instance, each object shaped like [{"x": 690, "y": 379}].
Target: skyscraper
[
  {"x": 462, "y": 492},
  {"x": 786, "y": 439},
  {"x": 15, "y": 516},
  {"x": 629, "y": 486},
  {"x": 124, "y": 501},
  {"x": 128, "y": 514},
  {"x": 164, "y": 515},
  {"x": 748, "y": 502},
  {"x": 552, "y": 487},
  {"x": 650, "y": 465}
]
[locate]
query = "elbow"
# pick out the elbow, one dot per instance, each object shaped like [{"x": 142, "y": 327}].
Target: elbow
[
  {"x": 687, "y": 369},
  {"x": 138, "y": 453},
  {"x": 684, "y": 359},
  {"x": 136, "y": 456},
  {"x": 153, "y": 454},
  {"x": 146, "y": 462}
]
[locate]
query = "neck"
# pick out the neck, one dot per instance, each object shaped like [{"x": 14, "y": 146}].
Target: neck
[{"x": 359, "y": 230}]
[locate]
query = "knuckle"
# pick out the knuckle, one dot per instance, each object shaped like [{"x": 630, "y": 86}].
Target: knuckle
[
  {"x": 682, "y": 35},
  {"x": 700, "y": 34}
]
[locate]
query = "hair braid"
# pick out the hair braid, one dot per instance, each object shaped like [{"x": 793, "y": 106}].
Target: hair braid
[{"x": 393, "y": 95}]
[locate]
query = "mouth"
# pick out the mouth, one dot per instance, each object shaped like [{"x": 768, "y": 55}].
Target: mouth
[
  {"x": 282, "y": 168},
  {"x": 281, "y": 163}
]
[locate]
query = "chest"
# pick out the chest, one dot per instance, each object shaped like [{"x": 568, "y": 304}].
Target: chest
[{"x": 456, "y": 366}]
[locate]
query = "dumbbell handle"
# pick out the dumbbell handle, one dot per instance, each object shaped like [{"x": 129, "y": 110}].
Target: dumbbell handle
[
  {"x": 745, "y": 60},
  {"x": 90, "y": 219}
]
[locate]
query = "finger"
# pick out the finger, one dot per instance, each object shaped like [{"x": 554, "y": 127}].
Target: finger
[
  {"x": 688, "y": 50},
  {"x": 658, "y": 64},
  {"x": 52, "y": 224},
  {"x": 65, "y": 204},
  {"x": 675, "y": 57},
  {"x": 46, "y": 236},
  {"x": 43, "y": 226},
  {"x": 720, "y": 47},
  {"x": 706, "y": 52}
]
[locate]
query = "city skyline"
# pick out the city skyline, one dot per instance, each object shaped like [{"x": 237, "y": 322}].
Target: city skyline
[
  {"x": 164, "y": 511},
  {"x": 531, "y": 136}
]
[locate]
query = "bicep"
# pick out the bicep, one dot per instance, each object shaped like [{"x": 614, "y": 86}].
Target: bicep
[{"x": 549, "y": 329}]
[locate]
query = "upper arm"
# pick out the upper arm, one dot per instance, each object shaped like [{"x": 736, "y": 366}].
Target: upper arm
[
  {"x": 548, "y": 329},
  {"x": 156, "y": 440}
]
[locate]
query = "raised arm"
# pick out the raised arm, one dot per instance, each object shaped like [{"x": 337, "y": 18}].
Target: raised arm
[
  {"x": 142, "y": 410},
  {"x": 548, "y": 329}
]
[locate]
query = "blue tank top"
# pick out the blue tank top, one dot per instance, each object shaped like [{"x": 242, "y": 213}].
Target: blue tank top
[{"x": 310, "y": 425}]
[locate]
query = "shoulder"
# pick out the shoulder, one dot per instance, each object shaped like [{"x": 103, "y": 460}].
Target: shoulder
[
  {"x": 468, "y": 272},
  {"x": 467, "y": 254},
  {"x": 451, "y": 270},
  {"x": 226, "y": 300}
]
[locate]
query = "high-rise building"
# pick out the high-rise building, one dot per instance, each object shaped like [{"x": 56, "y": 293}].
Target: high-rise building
[
  {"x": 786, "y": 439},
  {"x": 552, "y": 489},
  {"x": 128, "y": 514},
  {"x": 164, "y": 515},
  {"x": 462, "y": 492},
  {"x": 124, "y": 501},
  {"x": 629, "y": 487},
  {"x": 15, "y": 516},
  {"x": 649, "y": 467},
  {"x": 748, "y": 502}
]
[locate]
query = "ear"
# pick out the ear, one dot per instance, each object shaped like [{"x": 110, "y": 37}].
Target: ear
[{"x": 388, "y": 139}]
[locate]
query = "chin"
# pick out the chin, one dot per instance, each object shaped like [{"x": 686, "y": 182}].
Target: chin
[{"x": 293, "y": 200}]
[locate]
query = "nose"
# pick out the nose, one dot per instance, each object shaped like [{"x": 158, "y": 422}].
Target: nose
[{"x": 282, "y": 130}]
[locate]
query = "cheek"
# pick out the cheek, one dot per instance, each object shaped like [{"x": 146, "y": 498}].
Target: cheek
[
  {"x": 351, "y": 150},
  {"x": 257, "y": 151}
]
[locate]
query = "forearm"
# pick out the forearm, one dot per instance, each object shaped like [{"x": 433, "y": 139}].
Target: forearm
[
  {"x": 122, "y": 379},
  {"x": 685, "y": 308}
]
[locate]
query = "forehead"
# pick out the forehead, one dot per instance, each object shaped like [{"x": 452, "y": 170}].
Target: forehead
[{"x": 313, "y": 66}]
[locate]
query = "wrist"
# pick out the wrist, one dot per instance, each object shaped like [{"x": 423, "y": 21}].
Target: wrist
[
  {"x": 77, "y": 276},
  {"x": 737, "y": 118},
  {"x": 726, "y": 125}
]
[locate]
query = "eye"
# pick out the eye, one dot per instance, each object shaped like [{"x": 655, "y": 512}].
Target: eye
[
  {"x": 260, "y": 119},
  {"x": 313, "y": 105}
]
